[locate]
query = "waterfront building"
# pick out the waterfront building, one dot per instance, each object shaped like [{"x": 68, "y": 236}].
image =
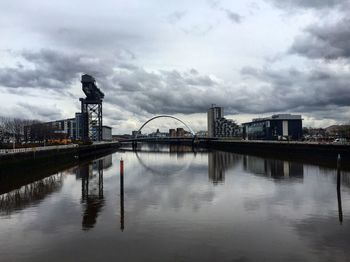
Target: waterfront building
[
  {"x": 79, "y": 126},
  {"x": 106, "y": 133},
  {"x": 172, "y": 132},
  {"x": 158, "y": 134},
  {"x": 135, "y": 133},
  {"x": 219, "y": 126},
  {"x": 202, "y": 133},
  {"x": 59, "y": 129},
  {"x": 180, "y": 132},
  {"x": 226, "y": 128},
  {"x": 276, "y": 127},
  {"x": 214, "y": 113}
]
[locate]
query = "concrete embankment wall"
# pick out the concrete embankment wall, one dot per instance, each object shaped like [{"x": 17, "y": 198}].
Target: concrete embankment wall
[
  {"x": 55, "y": 154},
  {"x": 15, "y": 175},
  {"x": 309, "y": 152}
]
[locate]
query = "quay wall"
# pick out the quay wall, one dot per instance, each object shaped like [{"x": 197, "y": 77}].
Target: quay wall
[
  {"x": 13, "y": 176},
  {"x": 58, "y": 153},
  {"x": 310, "y": 152}
]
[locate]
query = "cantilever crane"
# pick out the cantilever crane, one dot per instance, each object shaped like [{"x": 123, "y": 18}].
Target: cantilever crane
[{"x": 91, "y": 109}]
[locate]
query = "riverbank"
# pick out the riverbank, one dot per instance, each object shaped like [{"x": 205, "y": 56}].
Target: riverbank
[
  {"x": 16, "y": 174},
  {"x": 54, "y": 153},
  {"x": 315, "y": 153}
]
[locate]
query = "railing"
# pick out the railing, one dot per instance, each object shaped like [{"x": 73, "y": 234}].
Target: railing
[{"x": 34, "y": 149}]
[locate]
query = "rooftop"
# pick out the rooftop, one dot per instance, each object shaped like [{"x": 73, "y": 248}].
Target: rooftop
[{"x": 277, "y": 117}]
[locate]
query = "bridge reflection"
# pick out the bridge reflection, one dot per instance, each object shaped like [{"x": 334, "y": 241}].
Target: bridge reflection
[{"x": 177, "y": 149}]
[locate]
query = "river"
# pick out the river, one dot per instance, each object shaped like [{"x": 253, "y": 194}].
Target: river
[{"x": 174, "y": 204}]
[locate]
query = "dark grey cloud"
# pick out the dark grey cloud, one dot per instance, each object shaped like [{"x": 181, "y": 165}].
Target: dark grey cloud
[
  {"x": 330, "y": 41},
  {"x": 234, "y": 17},
  {"x": 141, "y": 92},
  {"x": 320, "y": 92},
  {"x": 127, "y": 86},
  {"x": 51, "y": 70},
  {"x": 144, "y": 92},
  {"x": 291, "y": 90},
  {"x": 166, "y": 92},
  {"x": 314, "y": 4}
]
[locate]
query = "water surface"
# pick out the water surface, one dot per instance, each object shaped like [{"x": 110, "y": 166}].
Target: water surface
[{"x": 174, "y": 204}]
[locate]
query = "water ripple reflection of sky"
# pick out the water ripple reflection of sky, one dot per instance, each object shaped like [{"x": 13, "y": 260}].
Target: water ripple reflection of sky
[{"x": 178, "y": 206}]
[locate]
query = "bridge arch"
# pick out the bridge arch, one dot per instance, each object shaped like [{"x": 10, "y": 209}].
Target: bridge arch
[
  {"x": 158, "y": 172},
  {"x": 165, "y": 116}
]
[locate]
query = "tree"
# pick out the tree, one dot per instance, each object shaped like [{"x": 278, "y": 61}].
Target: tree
[
  {"x": 2, "y": 129},
  {"x": 344, "y": 131},
  {"x": 13, "y": 128},
  {"x": 306, "y": 131}
]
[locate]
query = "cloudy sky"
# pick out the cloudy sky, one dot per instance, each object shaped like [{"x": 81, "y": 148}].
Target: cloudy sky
[{"x": 254, "y": 58}]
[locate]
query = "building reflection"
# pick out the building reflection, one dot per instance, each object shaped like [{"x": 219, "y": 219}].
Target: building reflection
[
  {"x": 107, "y": 161},
  {"x": 273, "y": 168},
  {"x": 92, "y": 198},
  {"x": 180, "y": 149},
  {"x": 29, "y": 194},
  {"x": 218, "y": 163}
]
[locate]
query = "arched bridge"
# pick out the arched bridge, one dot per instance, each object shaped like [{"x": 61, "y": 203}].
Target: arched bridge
[
  {"x": 189, "y": 140},
  {"x": 165, "y": 116}
]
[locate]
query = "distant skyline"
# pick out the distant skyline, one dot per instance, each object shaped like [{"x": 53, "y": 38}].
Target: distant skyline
[{"x": 254, "y": 58}]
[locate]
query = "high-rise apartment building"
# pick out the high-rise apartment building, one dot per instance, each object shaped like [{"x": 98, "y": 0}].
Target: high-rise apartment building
[
  {"x": 219, "y": 126},
  {"x": 214, "y": 113}
]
